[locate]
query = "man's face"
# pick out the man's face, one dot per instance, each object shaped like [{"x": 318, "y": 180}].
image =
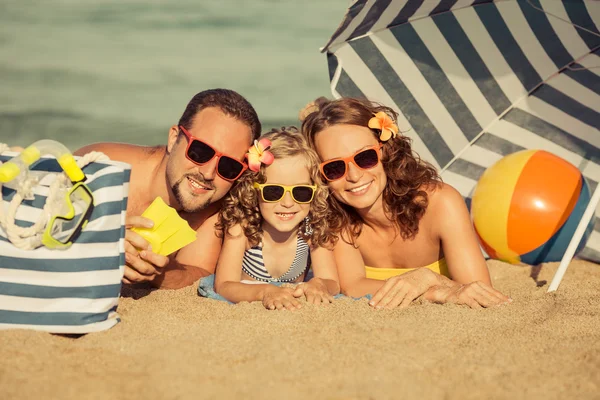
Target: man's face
[{"x": 197, "y": 186}]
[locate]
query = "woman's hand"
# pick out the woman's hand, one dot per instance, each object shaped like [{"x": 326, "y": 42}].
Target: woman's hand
[
  {"x": 282, "y": 298},
  {"x": 400, "y": 291},
  {"x": 474, "y": 294},
  {"x": 316, "y": 292}
]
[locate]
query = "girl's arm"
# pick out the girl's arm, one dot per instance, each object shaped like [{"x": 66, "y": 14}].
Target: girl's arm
[
  {"x": 325, "y": 280},
  {"x": 229, "y": 275},
  {"x": 229, "y": 270}
]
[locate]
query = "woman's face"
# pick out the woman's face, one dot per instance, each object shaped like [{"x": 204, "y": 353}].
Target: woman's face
[{"x": 359, "y": 188}]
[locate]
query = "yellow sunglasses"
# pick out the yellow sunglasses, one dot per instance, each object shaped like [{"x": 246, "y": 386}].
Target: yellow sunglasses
[{"x": 272, "y": 193}]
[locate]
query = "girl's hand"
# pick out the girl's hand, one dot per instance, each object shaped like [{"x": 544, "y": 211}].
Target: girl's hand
[
  {"x": 316, "y": 292},
  {"x": 282, "y": 298},
  {"x": 400, "y": 291},
  {"x": 474, "y": 294}
]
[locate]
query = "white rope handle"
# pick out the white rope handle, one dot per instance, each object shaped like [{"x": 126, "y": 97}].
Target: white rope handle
[{"x": 31, "y": 237}]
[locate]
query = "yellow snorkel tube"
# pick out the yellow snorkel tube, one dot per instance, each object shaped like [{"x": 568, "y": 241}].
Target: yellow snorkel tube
[
  {"x": 73, "y": 211},
  {"x": 18, "y": 167}
]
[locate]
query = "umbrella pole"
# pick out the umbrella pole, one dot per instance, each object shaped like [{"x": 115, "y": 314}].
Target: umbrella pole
[{"x": 566, "y": 260}]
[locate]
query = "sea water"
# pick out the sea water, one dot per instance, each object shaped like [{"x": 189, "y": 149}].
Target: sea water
[{"x": 123, "y": 70}]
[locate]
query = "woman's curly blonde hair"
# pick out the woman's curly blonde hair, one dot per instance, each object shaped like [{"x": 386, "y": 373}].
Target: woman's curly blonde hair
[
  {"x": 404, "y": 198},
  {"x": 240, "y": 206}
]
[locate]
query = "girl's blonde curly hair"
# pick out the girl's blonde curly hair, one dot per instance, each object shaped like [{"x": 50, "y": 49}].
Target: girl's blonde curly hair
[{"x": 240, "y": 205}]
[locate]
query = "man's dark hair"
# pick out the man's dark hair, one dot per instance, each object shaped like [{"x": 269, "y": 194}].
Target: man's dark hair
[{"x": 230, "y": 102}]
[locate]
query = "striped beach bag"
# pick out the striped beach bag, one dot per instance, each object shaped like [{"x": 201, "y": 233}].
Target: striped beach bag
[{"x": 72, "y": 290}]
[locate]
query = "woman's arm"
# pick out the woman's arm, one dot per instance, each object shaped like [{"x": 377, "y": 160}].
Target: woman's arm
[
  {"x": 471, "y": 283},
  {"x": 452, "y": 224},
  {"x": 397, "y": 291},
  {"x": 351, "y": 271}
]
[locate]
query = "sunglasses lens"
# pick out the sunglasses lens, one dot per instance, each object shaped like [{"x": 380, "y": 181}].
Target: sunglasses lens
[
  {"x": 366, "y": 159},
  {"x": 272, "y": 192},
  {"x": 229, "y": 168},
  {"x": 302, "y": 194},
  {"x": 334, "y": 170},
  {"x": 200, "y": 153}
]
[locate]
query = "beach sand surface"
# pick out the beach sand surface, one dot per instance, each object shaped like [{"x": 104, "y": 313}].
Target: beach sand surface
[{"x": 175, "y": 345}]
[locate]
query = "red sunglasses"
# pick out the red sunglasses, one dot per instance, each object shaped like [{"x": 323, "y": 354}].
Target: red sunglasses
[
  {"x": 200, "y": 153},
  {"x": 337, "y": 168}
]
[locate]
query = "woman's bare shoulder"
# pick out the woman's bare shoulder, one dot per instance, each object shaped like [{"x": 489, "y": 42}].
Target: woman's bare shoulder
[{"x": 443, "y": 197}]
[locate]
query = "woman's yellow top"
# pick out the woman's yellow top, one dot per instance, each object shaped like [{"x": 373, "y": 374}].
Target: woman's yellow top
[{"x": 382, "y": 274}]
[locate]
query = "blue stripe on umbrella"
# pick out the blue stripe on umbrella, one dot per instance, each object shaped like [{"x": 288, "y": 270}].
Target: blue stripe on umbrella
[
  {"x": 587, "y": 78},
  {"x": 579, "y": 15},
  {"x": 543, "y": 31},
  {"x": 347, "y": 86},
  {"x": 553, "y": 133},
  {"x": 497, "y": 144},
  {"x": 409, "y": 9},
  {"x": 352, "y": 12},
  {"x": 472, "y": 62},
  {"x": 466, "y": 168},
  {"x": 508, "y": 46},
  {"x": 569, "y": 105},
  {"x": 371, "y": 18},
  {"x": 397, "y": 90},
  {"x": 437, "y": 79},
  {"x": 444, "y": 6},
  {"x": 332, "y": 65}
]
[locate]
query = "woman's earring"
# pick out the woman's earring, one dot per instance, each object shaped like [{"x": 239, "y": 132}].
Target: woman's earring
[{"x": 308, "y": 230}]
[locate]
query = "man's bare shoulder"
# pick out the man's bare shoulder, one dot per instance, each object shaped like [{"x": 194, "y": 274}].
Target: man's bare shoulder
[{"x": 120, "y": 151}]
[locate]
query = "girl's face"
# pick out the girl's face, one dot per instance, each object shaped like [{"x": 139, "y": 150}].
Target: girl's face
[
  {"x": 359, "y": 188},
  {"x": 285, "y": 215}
]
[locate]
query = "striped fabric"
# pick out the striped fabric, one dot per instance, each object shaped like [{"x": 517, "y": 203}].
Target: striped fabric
[
  {"x": 74, "y": 290},
  {"x": 474, "y": 81},
  {"x": 253, "y": 264}
]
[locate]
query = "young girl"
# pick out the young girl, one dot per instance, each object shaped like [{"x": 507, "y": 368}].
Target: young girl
[
  {"x": 274, "y": 228},
  {"x": 402, "y": 229}
]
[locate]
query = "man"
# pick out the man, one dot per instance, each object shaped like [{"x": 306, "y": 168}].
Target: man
[{"x": 203, "y": 157}]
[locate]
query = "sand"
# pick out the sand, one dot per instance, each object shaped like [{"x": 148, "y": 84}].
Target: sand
[{"x": 175, "y": 345}]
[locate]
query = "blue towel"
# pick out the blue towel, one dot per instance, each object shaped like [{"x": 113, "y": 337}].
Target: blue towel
[{"x": 206, "y": 288}]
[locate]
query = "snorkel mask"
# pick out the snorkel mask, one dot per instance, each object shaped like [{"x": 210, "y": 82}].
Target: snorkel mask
[{"x": 69, "y": 205}]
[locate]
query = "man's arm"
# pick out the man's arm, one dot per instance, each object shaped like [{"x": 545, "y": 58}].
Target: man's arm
[
  {"x": 110, "y": 149},
  {"x": 194, "y": 261}
]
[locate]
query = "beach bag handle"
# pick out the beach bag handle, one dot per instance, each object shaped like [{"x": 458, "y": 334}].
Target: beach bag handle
[{"x": 29, "y": 238}]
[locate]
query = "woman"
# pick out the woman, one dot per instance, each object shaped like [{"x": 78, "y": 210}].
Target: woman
[{"x": 403, "y": 232}]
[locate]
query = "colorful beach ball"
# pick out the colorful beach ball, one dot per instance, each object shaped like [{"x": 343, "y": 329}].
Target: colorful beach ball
[{"x": 526, "y": 207}]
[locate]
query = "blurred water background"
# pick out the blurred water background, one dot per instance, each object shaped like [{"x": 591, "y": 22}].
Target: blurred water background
[{"x": 123, "y": 70}]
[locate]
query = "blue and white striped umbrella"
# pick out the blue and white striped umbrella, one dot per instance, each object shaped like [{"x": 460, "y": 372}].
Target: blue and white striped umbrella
[{"x": 475, "y": 80}]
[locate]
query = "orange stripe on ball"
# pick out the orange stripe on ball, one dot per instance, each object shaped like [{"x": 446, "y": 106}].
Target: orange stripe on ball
[{"x": 544, "y": 196}]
